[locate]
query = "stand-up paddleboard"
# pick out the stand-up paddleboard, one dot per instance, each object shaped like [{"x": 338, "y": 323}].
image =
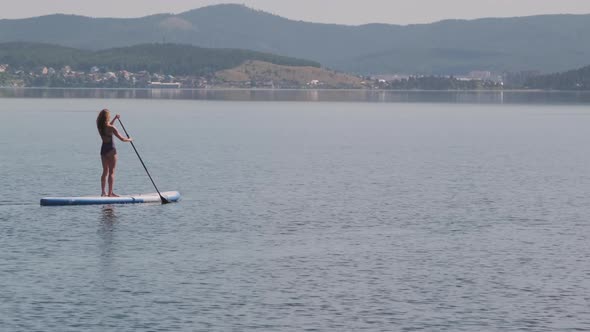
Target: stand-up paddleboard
[{"x": 170, "y": 196}]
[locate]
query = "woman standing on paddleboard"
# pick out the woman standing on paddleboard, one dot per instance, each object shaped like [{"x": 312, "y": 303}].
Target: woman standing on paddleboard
[{"x": 108, "y": 153}]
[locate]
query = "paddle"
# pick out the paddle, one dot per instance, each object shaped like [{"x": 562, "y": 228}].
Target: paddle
[{"x": 164, "y": 201}]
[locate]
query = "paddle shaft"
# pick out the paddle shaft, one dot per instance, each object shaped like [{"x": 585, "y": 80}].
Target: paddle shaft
[{"x": 164, "y": 201}]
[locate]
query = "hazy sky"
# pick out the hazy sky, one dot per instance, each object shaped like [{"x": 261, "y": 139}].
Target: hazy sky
[{"x": 327, "y": 11}]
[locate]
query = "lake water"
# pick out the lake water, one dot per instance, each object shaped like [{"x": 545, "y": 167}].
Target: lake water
[
  {"x": 299, "y": 216},
  {"x": 381, "y": 96}
]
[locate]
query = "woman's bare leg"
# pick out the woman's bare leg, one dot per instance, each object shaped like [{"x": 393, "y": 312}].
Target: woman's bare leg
[
  {"x": 103, "y": 177},
  {"x": 112, "y": 163}
]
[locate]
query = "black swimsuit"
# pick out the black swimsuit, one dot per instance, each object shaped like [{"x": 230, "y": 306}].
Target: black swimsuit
[{"x": 107, "y": 147}]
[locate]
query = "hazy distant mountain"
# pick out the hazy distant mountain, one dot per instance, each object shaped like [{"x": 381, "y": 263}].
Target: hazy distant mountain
[{"x": 546, "y": 43}]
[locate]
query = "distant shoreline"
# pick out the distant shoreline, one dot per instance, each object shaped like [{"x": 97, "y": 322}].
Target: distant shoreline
[
  {"x": 292, "y": 89},
  {"x": 492, "y": 97}
]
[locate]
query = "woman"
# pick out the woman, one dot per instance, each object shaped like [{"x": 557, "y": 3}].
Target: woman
[{"x": 108, "y": 153}]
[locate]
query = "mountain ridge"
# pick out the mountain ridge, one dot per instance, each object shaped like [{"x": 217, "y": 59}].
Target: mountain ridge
[
  {"x": 547, "y": 43},
  {"x": 250, "y": 9}
]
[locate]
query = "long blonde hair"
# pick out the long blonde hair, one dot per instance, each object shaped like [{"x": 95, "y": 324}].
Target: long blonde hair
[{"x": 102, "y": 121}]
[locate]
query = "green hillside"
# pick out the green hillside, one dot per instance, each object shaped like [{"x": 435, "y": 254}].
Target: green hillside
[{"x": 172, "y": 59}]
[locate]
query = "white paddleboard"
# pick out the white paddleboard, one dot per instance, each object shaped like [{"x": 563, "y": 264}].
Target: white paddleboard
[{"x": 170, "y": 196}]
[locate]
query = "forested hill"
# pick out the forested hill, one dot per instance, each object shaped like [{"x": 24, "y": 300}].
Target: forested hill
[
  {"x": 172, "y": 59},
  {"x": 578, "y": 79},
  {"x": 549, "y": 43}
]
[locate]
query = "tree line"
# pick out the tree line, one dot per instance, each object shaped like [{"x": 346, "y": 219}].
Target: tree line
[
  {"x": 172, "y": 59},
  {"x": 578, "y": 79}
]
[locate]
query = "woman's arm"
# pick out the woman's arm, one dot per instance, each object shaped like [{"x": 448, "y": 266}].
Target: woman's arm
[
  {"x": 115, "y": 119},
  {"x": 124, "y": 139}
]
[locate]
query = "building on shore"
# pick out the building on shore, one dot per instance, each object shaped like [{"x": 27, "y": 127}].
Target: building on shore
[{"x": 160, "y": 85}]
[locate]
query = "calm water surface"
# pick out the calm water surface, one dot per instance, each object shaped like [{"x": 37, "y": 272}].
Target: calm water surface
[
  {"x": 298, "y": 216},
  {"x": 381, "y": 96}
]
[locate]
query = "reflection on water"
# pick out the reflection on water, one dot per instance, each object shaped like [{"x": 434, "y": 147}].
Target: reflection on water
[
  {"x": 381, "y": 96},
  {"x": 109, "y": 217},
  {"x": 108, "y": 220},
  {"x": 106, "y": 232}
]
